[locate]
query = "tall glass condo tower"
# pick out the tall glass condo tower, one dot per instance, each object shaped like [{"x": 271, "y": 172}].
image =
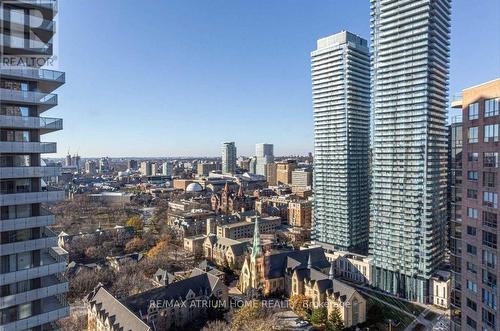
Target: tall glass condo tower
[
  {"x": 410, "y": 59},
  {"x": 341, "y": 97}
]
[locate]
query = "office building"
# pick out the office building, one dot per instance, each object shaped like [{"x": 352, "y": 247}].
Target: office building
[
  {"x": 132, "y": 164},
  {"x": 104, "y": 166},
  {"x": 146, "y": 168},
  {"x": 90, "y": 167},
  {"x": 33, "y": 288},
  {"x": 264, "y": 154},
  {"x": 284, "y": 172},
  {"x": 252, "y": 165},
  {"x": 167, "y": 168},
  {"x": 302, "y": 177},
  {"x": 271, "y": 174},
  {"x": 478, "y": 248},
  {"x": 228, "y": 158},
  {"x": 341, "y": 97},
  {"x": 410, "y": 64},
  {"x": 204, "y": 169}
]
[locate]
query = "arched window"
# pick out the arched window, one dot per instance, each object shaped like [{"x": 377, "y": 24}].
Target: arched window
[{"x": 355, "y": 312}]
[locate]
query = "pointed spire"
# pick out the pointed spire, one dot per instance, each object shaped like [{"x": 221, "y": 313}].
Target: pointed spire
[
  {"x": 257, "y": 245},
  {"x": 240, "y": 192},
  {"x": 309, "y": 262},
  {"x": 331, "y": 273},
  {"x": 226, "y": 187}
]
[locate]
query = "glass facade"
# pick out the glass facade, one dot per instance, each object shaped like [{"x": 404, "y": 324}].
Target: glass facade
[
  {"x": 341, "y": 97},
  {"x": 410, "y": 65}
]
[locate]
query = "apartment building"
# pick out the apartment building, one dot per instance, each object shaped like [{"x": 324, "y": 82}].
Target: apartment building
[
  {"x": 341, "y": 97},
  {"x": 284, "y": 172},
  {"x": 480, "y": 210},
  {"x": 32, "y": 285},
  {"x": 228, "y": 158},
  {"x": 408, "y": 212}
]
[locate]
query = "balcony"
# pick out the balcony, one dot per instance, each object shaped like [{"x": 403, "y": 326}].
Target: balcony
[
  {"x": 44, "y": 101},
  {"x": 45, "y": 219},
  {"x": 44, "y": 124},
  {"x": 52, "y": 261},
  {"x": 50, "y": 286},
  {"x": 52, "y": 309},
  {"x": 48, "y": 239},
  {"x": 48, "y": 80},
  {"x": 23, "y": 147},
  {"x": 29, "y": 172},
  {"x": 30, "y": 197}
]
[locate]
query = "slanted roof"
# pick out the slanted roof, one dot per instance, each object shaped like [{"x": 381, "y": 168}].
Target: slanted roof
[
  {"x": 200, "y": 284},
  {"x": 109, "y": 307},
  {"x": 340, "y": 290},
  {"x": 277, "y": 263}
]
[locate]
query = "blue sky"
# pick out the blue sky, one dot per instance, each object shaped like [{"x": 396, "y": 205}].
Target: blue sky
[{"x": 176, "y": 78}]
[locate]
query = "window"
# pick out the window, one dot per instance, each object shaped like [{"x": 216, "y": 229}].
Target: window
[
  {"x": 489, "y": 239},
  {"x": 472, "y": 193},
  {"x": 472, "y": 213},
  {"x": 489, "y": 279},
  {"x": 471, "y": 304},
  {"x": 489, "y": 299},
  {"x": 490, "y": 159},
  {"x": 472, "y": 175},
  {"x": 471, "y": 249},
  {"x": 471, "y": 231},
  {"x": 489, "y": 259},
  {"x": 491, "y": 107},
  {"x": 471, "y": 286},
  {"x": 490, "y": 199},
  {"x": 471, "y": 323},
  {"x": 490, "y": 133},
  {"x": 489, "y": 179},
  {"x": 490, "y": 219},
  {"x": 473, "y": 157},
  {"x": 473, "y": 135},
  {"x": 474, "y": 111},
  {"x": 489, "y": 318},
  {"x": 471, "y": 267}
]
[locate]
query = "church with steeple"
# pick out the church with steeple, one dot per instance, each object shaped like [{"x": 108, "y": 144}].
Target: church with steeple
[
  {"x": 304, "y": 272},
  {"x": 228, "y": 202}
]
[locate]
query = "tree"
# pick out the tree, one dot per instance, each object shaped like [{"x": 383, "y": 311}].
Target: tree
[
  {"x": 300, "y": 304},
  {"x": 335, "y": 322},
  {"x": 73, "y": 322},
  {"x": 161, "y": 247},
  {"x": 319, "y": 316},
  {"x": 136, "y": 223},
  {"x": 135, "y": 245}
]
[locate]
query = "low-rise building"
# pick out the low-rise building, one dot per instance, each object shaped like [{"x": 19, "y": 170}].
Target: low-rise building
[
  {"x": 225, "y": 251},
  {"x": 194, "y": 244},
  {"x": 167, "y": 307},
  {"x": 441, "y": 288},
  {"x": 245, "y": 228}
]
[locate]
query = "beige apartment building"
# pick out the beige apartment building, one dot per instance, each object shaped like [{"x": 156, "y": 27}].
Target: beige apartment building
[{"x": 284, "y": 171}]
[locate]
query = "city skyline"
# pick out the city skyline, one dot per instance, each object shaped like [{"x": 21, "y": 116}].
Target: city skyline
[{"x": 270, "y": 75}]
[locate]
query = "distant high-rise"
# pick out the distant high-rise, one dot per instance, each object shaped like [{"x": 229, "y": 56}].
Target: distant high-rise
[
  {"x": 104, "y": 166},
  {"x": 410, "y": 62},
  {"x": 228, "y": 158},
  {"x": 146, "y": 168},
  {"x": 32, "y": 286},
  {"x": 284, "y": 172},
  {"x": 90, "y": 167},
  {"x": 167, "y": 168},
  {"x": 132, "y": 164},
  {"x": 264, "y": 154},
  {"x": 341, "y": 96}
]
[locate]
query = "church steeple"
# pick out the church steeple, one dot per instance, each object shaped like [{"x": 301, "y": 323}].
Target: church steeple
[
  {"x": 257, "y": 245},
  {"x": 309, "y": 262}
]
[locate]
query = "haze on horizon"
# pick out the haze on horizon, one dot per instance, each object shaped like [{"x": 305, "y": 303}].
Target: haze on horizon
[{"x": 179, "y": 77}]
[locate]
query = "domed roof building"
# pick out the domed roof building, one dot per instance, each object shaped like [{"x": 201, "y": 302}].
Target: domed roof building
[{"x": 194, "y": 187}]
